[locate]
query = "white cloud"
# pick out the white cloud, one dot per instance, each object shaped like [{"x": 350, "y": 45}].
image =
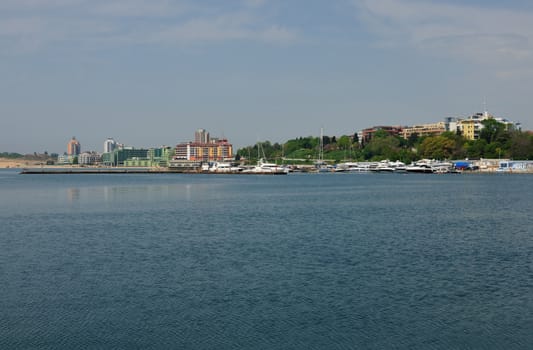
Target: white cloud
[
  {"x": 32, "y": 25},
  {"x": 481, "y": 35}
]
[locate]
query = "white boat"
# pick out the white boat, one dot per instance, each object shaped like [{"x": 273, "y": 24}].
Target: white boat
[
  {"x": 224, "y": 167},
  {"x": 429, "y": 166},
  {"x": 384, "y": 166},
  {"x": 264, "y": 167},
  {"x": 320, "y": 165},
  {"x": 362, "y": 167}
]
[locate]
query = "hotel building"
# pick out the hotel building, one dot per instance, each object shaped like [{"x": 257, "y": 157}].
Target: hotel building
[
  {"x": 432, "y": 129},
  {"x": 204, "y": 149},
  {"x": 73, "y": 147},
  {"x": 367, "y": 134}
]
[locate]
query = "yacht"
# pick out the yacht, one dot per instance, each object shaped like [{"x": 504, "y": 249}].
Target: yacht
[{"x": 264, "y": 167}]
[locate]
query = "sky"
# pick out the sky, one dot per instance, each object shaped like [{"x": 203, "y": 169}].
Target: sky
[{"x": 150, "y": 72}]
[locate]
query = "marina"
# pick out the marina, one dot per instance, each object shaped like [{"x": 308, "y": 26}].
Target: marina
[{"x": 263, "y": 167}]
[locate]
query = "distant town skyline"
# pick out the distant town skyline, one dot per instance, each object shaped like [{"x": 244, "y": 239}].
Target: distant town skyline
[{"x": 149, "y": 73}]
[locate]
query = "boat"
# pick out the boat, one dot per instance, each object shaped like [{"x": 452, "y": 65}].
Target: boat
[
  {"x": 224, "y": 167},
  {"x": 419, "y": 167},
  {"x": 430, "y": 167},
  {"x": 320, "y": 165},
  {"x": 264, "y": 167},
  {"x": 362, "y": 167}
]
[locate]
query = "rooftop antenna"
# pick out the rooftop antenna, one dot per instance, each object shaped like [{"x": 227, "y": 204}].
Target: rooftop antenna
[{"x": 485, "y": 112}]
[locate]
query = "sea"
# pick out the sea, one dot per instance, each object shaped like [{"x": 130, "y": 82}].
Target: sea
[{"x": 303, "y": 261}]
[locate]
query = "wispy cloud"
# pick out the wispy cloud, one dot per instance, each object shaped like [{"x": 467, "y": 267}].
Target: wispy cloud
[
  {"x": 222, "y": 28},
  {"x": 33, "y": 25},
  {"x": 481, "y": 35}
]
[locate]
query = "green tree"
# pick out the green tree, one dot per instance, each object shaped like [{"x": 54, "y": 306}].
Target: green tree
[
  {"x": 520, "y": 146},
  {"x": 475, "y": 148},
  {"x": 492, "y": 129},
  {"x": 437, "y": 147},
  {"x": 380, "y": 133},
  {"x": 344, "y": 142},
  {"x": 382, "y": 147},
  {"x": 413, "y": 139}
]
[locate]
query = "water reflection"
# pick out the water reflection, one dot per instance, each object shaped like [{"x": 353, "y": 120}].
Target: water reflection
[
  {"x": 140, "y": 193},
  {"x": 73, "y": 194}
]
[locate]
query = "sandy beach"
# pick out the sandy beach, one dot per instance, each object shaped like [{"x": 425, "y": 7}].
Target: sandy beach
[{"x": 18, "y": 163}]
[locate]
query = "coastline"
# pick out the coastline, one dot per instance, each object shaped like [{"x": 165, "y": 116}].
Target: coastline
[
  {"x": 18, "y": 163},
  {"x": 55, "y": 170},
  {"x": 37, "y": 167}
]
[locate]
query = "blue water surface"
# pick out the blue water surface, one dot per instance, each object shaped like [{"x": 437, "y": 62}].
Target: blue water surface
[{"x": 321, "y": 261}]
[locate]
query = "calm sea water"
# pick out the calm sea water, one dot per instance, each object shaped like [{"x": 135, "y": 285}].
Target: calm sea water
[{"x": 324, "y": 261}]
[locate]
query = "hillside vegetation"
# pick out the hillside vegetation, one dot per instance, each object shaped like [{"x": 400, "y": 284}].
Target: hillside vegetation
[{"x": 495, "y": 141}]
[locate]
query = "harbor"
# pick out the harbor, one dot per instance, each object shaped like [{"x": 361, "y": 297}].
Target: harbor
[{"x": 265, "y": 168}]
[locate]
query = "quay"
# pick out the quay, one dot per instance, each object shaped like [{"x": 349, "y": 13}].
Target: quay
[
  {"x": 64, "y": 170},
  {"x": 130, "y": 170}
]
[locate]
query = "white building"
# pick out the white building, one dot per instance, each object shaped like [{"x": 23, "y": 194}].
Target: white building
[
  {"x": 109, "y": 145},
  {"x": 87, "y": 158},
  {"x": 471, "y": 127}
]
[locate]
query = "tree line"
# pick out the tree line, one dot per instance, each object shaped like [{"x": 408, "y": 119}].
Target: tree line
[{"x": 495, "y": 140}]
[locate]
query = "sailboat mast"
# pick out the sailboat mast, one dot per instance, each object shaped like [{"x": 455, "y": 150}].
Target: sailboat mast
[{"x": 321, "y": 152}]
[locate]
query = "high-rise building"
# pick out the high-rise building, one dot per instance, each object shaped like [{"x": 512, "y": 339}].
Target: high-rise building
[
  {"x": 109, "y": 145},
  {"x": 73, "y": 147},
  {"x": 201, "y": 136}
]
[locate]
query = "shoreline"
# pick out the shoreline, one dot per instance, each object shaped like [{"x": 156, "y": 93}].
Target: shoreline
[{"x": 57, "y": 170}]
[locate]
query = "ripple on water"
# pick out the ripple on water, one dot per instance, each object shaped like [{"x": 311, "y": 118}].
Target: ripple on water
[{"x": 296, "y": 262}]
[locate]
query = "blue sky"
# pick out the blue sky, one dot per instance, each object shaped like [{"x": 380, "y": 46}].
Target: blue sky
[{"x": 150, "y": 72}]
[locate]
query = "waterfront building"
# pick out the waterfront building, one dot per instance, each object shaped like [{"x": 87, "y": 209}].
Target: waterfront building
[
  {"x": 109, "y": 145},
  {"x": 184, "y": 165},
  {"x": 367, "y": 134},
  {"x": 63, "y": 159},
  {"x": 471, "y": 127},
  {"x": 432, "y": 129},
  {"x": 220, "y": 150},
  {"x": 519, "y": 166},
  {"x": 204, "y": 148},
  {"x": 89, "y": 158},
  {"x": 155, "y": 157},
  {"x": 120, "y": 155},
  {"x": 73, "y": 147}
]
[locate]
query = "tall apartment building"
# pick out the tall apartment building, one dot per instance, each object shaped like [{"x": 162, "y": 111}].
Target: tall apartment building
[
  {"x": 201, "y": 136},
  {"x": 109, "y": 145},
  {"x": 73, "y": 147}
]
